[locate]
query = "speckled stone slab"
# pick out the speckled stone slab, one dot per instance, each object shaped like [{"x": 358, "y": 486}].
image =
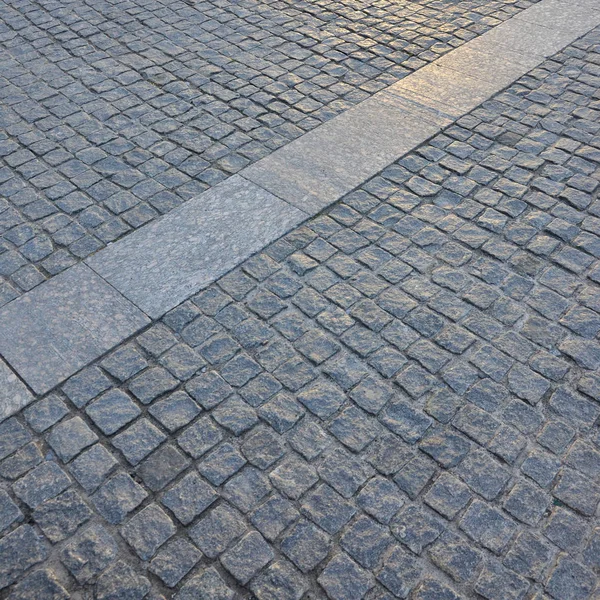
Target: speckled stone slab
[
  {"x": 163, "y": 263},
  {"x": 454, "y": 93},
  {"x": 54, "y": 330},
  {"x": 576, "y": 16},
  {"x": 317, "y": 169},
  {"x": 14, "y": 395},
  {"x": 528, "y": 37},
  {"x": 487, "y": 65}
]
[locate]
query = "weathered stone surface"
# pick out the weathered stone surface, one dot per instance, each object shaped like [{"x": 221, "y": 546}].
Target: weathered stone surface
[
  {"x": 13, "y": 395},
  {"x": 146, "y": 531},
  {"x": 73, "y": 320},
  {"x": 89, "y": 553},
  {"x": 196, "y": 244},
  {"x": 19, "y": 550},
  {"x": 401, "y": 387}
]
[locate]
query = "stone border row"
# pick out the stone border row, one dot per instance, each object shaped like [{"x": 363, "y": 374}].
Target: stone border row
[{"x": 61, "y": 326}]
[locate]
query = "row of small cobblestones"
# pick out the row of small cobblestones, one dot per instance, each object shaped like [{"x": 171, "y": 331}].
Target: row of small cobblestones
[
  {"x": 114, "y": 113},
  {"x": 399, "y": 399}
]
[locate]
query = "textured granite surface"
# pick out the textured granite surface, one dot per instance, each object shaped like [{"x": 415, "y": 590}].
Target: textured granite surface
[
  {"x": 68, "y": 322},
  {"x": 399, "y": 399},
  {"x": 116, "y": 112},
  {"x": 13, "y": 394},
  {"x": 165, "y": 262}
]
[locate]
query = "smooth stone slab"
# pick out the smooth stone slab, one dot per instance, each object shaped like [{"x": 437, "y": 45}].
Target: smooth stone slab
[
  {"x": 57, "y": 328},
  {"x": 572, "y": 16},
  {"x": 592, "y": 4},
  {"x": 162, "y": 264},
  {"x": 454, "y": 93},
  {"x": 527, "y": 38},
  {"x": 318, "y": 168},
  {"x": 499, "y": 68},
  {"x": 14, "y": 395}
]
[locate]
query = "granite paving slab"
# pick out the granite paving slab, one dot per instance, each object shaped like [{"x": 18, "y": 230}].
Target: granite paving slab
[
  {"x": 53, "y": 331},
  {"x": 530, "y": 38},
  {"x": 162, "y": 264},
  {"x": 488, "y": 64},
  {"x": 14, "y": 395},
  {"x": 567, "y": 16}
]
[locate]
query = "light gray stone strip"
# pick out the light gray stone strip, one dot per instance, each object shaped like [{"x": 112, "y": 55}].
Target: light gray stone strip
[
  {"x": 14, "y": 395},
  {"x": 54, "y": 330},
  {"x": 574, "y": 16},
  {"x": 162, "y": 264}
]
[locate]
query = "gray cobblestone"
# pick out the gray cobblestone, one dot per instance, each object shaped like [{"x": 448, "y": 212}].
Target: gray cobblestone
[
  {"x": 69, "y": 438},
  {"x": 91, "y": 467},
  {"x": 400, "y": 573},
  {"x": 118, "y": 497},
  {"x": 455, "y": 556},
  {"x": 207, "y": 584},
  {"x": 148, "y": 530},
  {"x": 121, "y": 581},
  {"x": 39, "y": 583},
  {"x": 19, "y": 550},
  {"x": 9, "y": 511},
  {"x": 43, "y": 483},
  {"x": 306, "y": 546},
  {"x": 174, "y": 561},
  {"x": 280, "y": 579},
  {"x": 343, "y": 578},
  {"x": 89, "y": 553},
  {"x": 495, "y": 580},
  {"x": 570, "y": 580},
  {"x": 60, "y": 517}
]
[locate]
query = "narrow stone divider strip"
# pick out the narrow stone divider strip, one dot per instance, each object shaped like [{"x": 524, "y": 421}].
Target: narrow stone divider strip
[{"x": 53, "y": 331}]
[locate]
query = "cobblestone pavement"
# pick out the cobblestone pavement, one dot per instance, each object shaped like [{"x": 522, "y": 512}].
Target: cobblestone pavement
[
  {"x": 116, "y": 112},
  {"x": 398, "y": 400}
]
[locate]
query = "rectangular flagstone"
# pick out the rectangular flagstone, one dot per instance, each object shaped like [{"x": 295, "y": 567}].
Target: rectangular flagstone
[
  {"x": 14, "y": 395},
  {"x": 455, "y": 93},
  {"x": 162, "y": 264},
  {"x": 528, "y": 38},
  {"x": 575, "y": 16},
  {"x": 499, "y": 68},
  {"x": 57, "y": 328},
  {"x": 320, "y": 167}
]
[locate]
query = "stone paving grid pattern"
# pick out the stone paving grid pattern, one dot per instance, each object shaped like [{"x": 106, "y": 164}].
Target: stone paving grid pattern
[
  {"x": 116, "y": 113},
  {"x": 399, "y": 398}
]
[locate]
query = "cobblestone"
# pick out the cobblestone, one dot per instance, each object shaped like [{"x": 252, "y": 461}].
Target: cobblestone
[{"x": 396, "y": 400}]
